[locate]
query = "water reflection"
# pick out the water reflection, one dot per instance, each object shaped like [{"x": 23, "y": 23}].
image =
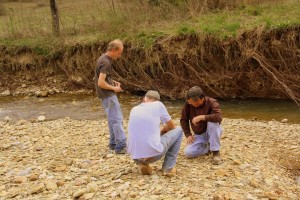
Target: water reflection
[{"x": 89, "y": 107}]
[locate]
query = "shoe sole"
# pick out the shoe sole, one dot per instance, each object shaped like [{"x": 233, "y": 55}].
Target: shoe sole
[
  {"x": 145, "y": 170},
  {"x": 217, "y": 162},
  {"x": 172, "y": 173}
]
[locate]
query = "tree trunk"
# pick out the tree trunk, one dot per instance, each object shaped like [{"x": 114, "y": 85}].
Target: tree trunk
[{"x": 55, "y": 18}]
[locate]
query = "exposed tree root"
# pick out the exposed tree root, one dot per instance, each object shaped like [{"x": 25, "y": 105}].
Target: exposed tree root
[{"x": 256, "y": 64}]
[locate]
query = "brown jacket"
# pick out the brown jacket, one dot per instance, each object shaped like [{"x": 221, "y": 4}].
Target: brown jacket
[{"x": 211, "y": 110}]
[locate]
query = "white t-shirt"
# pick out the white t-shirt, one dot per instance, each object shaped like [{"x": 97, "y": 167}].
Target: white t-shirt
[{"x": 144, "y": 129}]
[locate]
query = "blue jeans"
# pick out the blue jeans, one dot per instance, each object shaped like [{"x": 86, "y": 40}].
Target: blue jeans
[
  {"x": 114, "y": 114},
  {"x": 209, "y": 140},
  {"x": 171, "y": 142}
]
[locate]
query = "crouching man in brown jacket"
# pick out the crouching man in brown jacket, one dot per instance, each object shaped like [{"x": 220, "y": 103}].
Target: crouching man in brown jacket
[{"x": 204, "y": 115}]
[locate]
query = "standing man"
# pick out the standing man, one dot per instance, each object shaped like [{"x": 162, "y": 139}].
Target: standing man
[
  {"x": 106, "y": 89},
  {"x": 148, "y": 142},
  {"x": 204, "y": 115}
]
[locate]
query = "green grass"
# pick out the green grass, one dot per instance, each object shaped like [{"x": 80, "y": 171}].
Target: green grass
[
  {"x": 186, "y": 29},
  {"x": 87, "y": 21},
  {"x": 229, "y": 23},
  {"x": 146, "y": 40}
]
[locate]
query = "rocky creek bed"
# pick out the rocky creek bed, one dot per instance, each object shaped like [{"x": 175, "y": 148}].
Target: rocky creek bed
[{"x": 69, "y": 159}]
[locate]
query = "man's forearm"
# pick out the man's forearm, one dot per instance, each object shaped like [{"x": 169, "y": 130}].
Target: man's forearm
[
  {"x": 168, "y": 126},
  {"x": 185, "y": 127},
  {"x": 104, "y": 85},
  {"x": 216, "y": 117}
]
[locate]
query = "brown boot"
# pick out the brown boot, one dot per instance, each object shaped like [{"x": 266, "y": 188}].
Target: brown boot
[
  {"x": 170, "y": 173},
  {"x": 216, "y": 159},
  {"x": 145, "y": 169}
]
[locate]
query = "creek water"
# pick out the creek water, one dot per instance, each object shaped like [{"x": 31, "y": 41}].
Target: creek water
[{"x": 79, "y": 106}]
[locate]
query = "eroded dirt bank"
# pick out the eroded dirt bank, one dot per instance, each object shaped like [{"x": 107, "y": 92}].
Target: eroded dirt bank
[
  {"x": 64, "y": 159},
  {"x": 258, "y": 63}
]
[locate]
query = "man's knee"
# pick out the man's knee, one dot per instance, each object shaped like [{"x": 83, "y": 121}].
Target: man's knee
[
  {"x": 176, "y": 131},
  {"x": 179, "y": 131},
  {"x": 213, "y": 125},
  {"x": 214, "y": 128},
  {"x": 189, "y": 153}
]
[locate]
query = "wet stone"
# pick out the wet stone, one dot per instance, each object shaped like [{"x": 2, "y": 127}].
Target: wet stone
[
  {"x": 37, "y": 189},
  {"x": 60, "y": 183},
  {"x": 5, "y": 93},
  {"x": 33, "y": 177},
  {"x": 41, "y": 118},
  {"x": 88, "y": 196},
  {"x": 21, "y": 122},
  {"x": 13, "y": 192},
  {"x": 7, "y": 119},
  {"x": 6, "y": 146},
  {"x": 51, "y": 185},
  {"x": 69, "y": 162},
  {"x": 254, "y": 183},
  {"x": 250, "y": 197},
  {"x": 79, "y": 193},
  {"x": 271, "y": 195},
  {"x": 20, "y": 179},
  {"x": 42, "y": 93},
  {"x": 25, "y": 172},
  {"x": 39, "y": 148}
]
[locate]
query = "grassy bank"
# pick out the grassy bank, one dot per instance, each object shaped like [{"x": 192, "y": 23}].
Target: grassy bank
[
  {"x": 87, "y": 21},
  {"x": 246, "y": 45}
]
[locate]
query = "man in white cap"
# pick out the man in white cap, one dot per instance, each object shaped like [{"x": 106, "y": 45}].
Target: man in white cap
[{"x": 147, "y": 141}]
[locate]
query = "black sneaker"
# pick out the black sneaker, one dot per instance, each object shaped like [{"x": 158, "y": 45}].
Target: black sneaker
[
  {"x": 122, "y": 151},
  {"x": 111, "y": 148}
]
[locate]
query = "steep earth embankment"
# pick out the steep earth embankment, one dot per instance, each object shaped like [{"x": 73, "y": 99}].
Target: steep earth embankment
[{"x": 258, "y": 63}]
